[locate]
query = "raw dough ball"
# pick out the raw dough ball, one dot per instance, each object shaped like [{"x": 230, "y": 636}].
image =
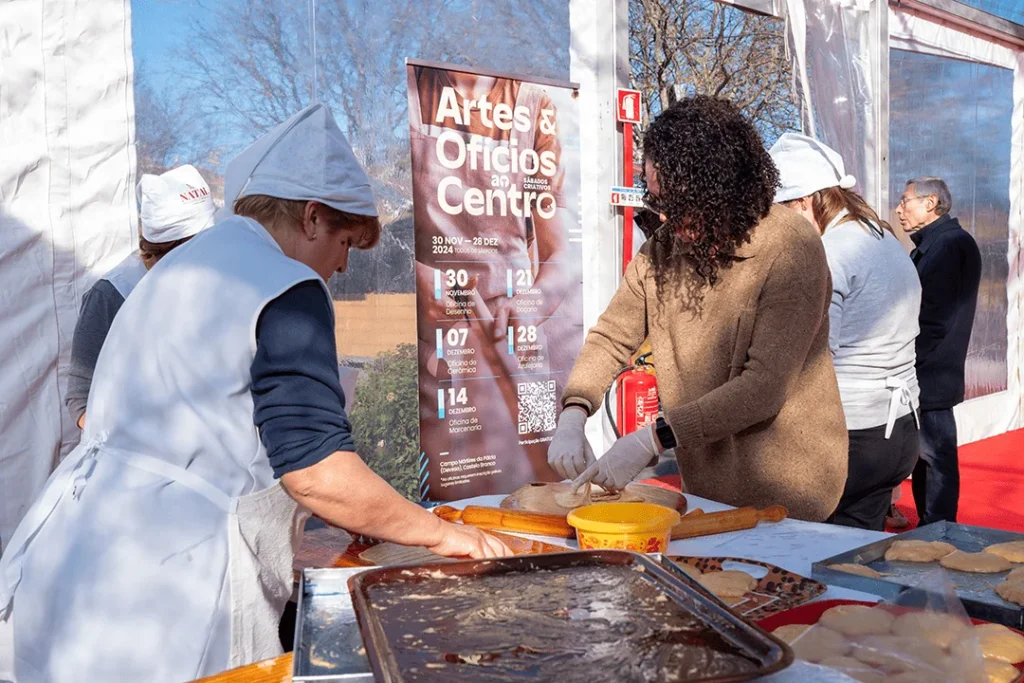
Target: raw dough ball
[
  {"x": 898, "y": 653},
  {"x": 996, "y": 641},
  {"x": 819, "y": 643},
  {"x": 1011, "y": 591},
  {"x": 858, "y": 569},
  {"x": 1012, "y": 551},
  {"x": 858, "y": 620},
  {"x": 918, "y": 551},
  {"x": 935, "y": 627},
  {"x": 858, "y": 671},
  {"x": 979, "y": 563},
  {"x": 1000, "y": 672},
  {"x": 729, "y": 584}
]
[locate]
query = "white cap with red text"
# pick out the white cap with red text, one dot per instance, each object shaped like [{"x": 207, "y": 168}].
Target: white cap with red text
[{"x": 174, "y": 205}]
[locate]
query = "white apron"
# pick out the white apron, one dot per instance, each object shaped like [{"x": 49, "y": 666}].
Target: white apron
[
  {"x": 902, "y": 395},
  {"x": 127, "y": 274},
  {"x": 161, "y": 548}
]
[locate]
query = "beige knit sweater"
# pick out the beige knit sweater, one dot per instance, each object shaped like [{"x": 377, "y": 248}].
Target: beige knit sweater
[{"x": 746, "y": 382}]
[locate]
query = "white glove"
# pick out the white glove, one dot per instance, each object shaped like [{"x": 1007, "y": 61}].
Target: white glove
[
  {"x": 623, "y": 461},
  {"x": 569, "y": 452}
]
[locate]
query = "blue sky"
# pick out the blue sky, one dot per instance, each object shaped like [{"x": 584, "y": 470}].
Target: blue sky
[{"x": 158, "y": 27}]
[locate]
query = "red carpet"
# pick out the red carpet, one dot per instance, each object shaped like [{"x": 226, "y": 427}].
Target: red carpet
[{"x": 991, "y": 484}]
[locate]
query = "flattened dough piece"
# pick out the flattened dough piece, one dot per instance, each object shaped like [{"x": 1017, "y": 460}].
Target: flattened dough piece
[
  {"x": 858, "y": 569},
  {"x": 1000, "y": 672},
  {"x": 729, "y": 584},
  {"x": 690, "y": 570},
  {"x": 1016, "y": 575},
  {"x": 818, "y": 643},
  {"x": 918, "y": 551},
  {"x": 1011, "y": 591},
  {"x": 857, "y": 670},
  {"x": 1012, "y": 551},
  {"x": 790, "y": 632},
  {"x": 996, "y": 641},
  {"x": 898, "y": 653},
  {"x": 936, "y": 627},
  {"x": 857, "y": 620},
  {"x": 978, "y": 563}
]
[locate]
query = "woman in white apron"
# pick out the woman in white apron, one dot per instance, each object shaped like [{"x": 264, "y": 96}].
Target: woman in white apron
[
  {"x": 173, "y": 207},
  {"x": 876, "y": 297},
  {"x": 161, "y": 549}
]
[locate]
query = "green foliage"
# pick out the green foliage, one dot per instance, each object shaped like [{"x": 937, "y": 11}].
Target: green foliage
[{"x": 385, "y": 418}]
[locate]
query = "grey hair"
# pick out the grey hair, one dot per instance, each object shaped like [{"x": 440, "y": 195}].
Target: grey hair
[{"x": 927, "y": 186}]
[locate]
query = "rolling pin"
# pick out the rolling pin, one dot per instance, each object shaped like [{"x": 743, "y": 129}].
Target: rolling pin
[
  {"x": 537, "y": 523},
  {"x": 697, "y": 523},
  {"x": 710, "y": 523}
]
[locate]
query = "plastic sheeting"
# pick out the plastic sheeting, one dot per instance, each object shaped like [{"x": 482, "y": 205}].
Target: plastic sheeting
[
  {"x": 835, "y": 57},
  {"x": 962, "y": 98},
  {"x": 66, "y": 213}
]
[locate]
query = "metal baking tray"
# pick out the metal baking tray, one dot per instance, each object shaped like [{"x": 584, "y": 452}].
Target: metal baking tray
[
  {"x": 974, "y": 590},
  {"x": 533, "y": 660},
  {"x": 328, "y": 645}
]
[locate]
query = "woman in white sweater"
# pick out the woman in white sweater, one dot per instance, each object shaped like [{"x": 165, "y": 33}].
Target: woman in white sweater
[{"x": 876, "y": 298}]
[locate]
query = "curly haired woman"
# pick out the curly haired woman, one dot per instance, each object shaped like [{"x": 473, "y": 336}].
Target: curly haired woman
[{"x": 734, "y": 295}]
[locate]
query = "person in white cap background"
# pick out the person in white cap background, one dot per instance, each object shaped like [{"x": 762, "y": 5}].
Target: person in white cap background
[
  {"x": 174, "y": 207},
  {"x": 876, "y": 297},
  {"x": 161, "y": 549}
]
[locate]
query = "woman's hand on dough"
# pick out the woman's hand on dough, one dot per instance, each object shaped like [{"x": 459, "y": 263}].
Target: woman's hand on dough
[{"x": 458, "y": 540}]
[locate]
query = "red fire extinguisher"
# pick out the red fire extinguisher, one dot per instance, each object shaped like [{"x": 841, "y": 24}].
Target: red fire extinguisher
[{"x": 638, "y": 404}]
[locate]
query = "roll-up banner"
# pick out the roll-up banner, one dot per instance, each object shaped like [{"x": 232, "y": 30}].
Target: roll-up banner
[{"x": 496, "y": 195}]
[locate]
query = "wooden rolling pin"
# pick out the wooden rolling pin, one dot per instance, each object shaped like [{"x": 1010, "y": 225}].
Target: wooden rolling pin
[
  {"x": 696, "y": 523},
  {"x": 710, "y": 523}
]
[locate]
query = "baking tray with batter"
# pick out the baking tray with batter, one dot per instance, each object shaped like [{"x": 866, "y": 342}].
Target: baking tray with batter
[
  {"x": 581, "y": 616},
  {"x": 328, "y": 645},
  {"x": 974, "y": 590}
]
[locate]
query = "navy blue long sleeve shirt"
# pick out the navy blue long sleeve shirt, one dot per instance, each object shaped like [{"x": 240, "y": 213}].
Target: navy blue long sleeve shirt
[{"x": 299, "y": 406}]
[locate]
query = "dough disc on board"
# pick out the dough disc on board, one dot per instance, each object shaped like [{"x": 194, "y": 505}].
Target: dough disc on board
[
  {"x": 1011, "y": 591},
  {"x": 729, "y": 584}
]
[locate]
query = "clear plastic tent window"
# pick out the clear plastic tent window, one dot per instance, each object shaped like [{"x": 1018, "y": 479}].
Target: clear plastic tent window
[
  {"x": 1007, "y": 9},
  {"x": 935, "y": 130}
]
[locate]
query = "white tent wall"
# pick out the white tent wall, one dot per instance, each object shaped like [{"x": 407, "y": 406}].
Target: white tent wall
[
  {"x": 846, "y": 44},
  {"x": 67, "y": 213}
]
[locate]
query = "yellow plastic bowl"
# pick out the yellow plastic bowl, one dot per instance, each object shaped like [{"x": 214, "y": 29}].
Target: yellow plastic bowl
[{"x": 639, "y": 527}]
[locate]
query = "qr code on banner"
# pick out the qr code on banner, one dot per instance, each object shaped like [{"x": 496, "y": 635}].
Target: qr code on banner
[{"x": 536, "y": 407}]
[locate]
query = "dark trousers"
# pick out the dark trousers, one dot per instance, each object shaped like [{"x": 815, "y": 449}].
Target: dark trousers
[
  {"x": 936, "y": 481},
  {"x": 877, "y": 466}
]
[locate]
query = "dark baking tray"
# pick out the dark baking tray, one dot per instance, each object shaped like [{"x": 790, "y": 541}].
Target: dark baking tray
[
  {"x": 328, "y": 645},
  {"x": 769, "y": 654},
  {"x": 974, "y": 590}
]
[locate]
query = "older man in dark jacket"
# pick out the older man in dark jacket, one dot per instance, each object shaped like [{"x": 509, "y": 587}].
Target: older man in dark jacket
[{"x": 949, "y": 265}]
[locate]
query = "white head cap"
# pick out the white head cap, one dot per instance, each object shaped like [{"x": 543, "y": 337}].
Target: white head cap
[
  {"x": 305, "y": 158},
  {"x": 175, "y": 205},
  {"x": 807, "y": 166}
]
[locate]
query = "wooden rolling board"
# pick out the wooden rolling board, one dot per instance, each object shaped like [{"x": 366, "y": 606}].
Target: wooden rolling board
[{"x": 540, "y": 497}]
